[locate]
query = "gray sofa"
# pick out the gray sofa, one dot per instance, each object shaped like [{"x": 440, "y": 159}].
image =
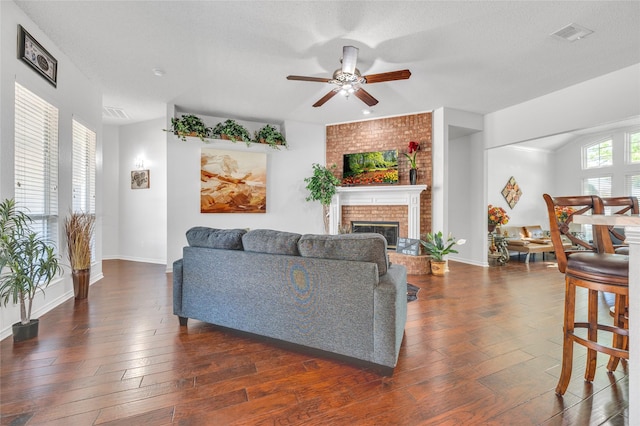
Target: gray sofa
[{"x": 333, "y": 293}]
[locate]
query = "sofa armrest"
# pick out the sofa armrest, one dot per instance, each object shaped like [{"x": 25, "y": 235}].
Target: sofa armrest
[
  {"x": 390, "y": 314},
  {"x": 177, "y": 287}
]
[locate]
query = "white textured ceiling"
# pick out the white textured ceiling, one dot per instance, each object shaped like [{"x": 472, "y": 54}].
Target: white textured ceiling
[{"x": 230, "y": 58}]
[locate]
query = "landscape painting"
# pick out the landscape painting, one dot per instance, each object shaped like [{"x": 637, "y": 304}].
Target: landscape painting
[
  {"x": 233, "y": 181},
  {"x": 370, "y": 168}
]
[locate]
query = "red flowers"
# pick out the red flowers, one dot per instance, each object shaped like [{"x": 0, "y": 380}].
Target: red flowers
[{"x": 413, "y": 149}]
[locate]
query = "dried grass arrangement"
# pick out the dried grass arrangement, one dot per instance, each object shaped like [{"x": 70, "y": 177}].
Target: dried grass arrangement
[{"x": 79, "y": 230}]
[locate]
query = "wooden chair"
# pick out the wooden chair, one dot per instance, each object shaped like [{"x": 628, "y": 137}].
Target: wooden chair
[
  {"x": 621, "y": 205},
  {"x": 594, "y": 266}
]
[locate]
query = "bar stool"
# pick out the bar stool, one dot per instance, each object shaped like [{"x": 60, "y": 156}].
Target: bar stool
[{"x": 594, "y": 266}]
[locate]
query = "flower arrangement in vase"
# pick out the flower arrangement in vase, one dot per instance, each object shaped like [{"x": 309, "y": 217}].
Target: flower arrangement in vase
[
  {"x": 563, "y": 213},
  {"x": 412, "y": 151},
  {"x": 497, "y": 216}
]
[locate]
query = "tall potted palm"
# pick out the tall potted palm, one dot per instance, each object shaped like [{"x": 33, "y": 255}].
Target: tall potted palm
[
  {"x": 79, "y": 230},
  {"x": 28, "y": 264}
]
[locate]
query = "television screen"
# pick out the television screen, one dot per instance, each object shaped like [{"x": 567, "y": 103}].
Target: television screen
[{"x": 370, "y": 168}]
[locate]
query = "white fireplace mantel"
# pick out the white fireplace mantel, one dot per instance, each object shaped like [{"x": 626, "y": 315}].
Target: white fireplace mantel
[{"x": 390, "y": 195}]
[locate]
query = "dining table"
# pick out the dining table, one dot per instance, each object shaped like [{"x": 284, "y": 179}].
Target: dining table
[{"x": 631, "y": 224}]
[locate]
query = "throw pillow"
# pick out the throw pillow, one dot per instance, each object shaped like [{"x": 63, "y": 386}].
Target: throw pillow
[
  {"x": 364, "y": 247},
  {"x": 227, "y": 239}
]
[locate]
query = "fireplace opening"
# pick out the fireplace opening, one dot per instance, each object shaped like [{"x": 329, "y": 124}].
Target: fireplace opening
[{"x": 389, "y": 230}]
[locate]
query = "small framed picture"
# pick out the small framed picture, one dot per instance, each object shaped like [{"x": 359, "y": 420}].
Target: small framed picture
[
  {"x": 140, "y": 179},
  {"x": 30, "y": 51}
]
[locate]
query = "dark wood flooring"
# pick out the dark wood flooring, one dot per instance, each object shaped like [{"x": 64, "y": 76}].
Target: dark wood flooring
[{"x": 482, "y": 347}]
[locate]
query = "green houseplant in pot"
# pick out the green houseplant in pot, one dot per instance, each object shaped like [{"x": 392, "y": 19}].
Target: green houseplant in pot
[
  {"x": 322, "y": 186},
  {"x": 438, "y": 247},
  {"x": 28, "y": 264},
  {"x": 270, "y": 135},
  {"x": 231, "y": 130},
  {"x": 189, "y": 125},
  {"x": 79, "y": 230}
]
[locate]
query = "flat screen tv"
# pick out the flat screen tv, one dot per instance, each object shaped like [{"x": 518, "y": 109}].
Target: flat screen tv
[{"x": 370, "y": 168}]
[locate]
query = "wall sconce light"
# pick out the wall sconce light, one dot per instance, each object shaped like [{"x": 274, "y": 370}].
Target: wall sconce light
[{"x": 139, "y": 163}]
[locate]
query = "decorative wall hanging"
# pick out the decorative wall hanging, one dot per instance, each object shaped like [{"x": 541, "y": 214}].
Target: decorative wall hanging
[
  {"x": 233, "y": 181},
  {"x": 140, "y": 179},
  {"x": 511, "y": 192},
  {"x": 30, "y": 51}
]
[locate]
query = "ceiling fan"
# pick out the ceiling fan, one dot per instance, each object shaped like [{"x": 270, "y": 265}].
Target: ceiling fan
[{"x": 349, "y": 81}]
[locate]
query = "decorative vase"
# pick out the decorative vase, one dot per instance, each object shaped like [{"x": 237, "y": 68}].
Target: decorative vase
[
  {"x": 438, "y": 267},
  {"x": 413, "y": 176},
  {"x": 25, "y": 331},
  {"x": 492, "y": 228},
  {"x": 81, "y": 282}
]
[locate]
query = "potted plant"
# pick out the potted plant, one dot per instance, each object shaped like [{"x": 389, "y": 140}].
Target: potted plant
[
  {"x": 436, "y": 246},
  {"x": 270, "y": 135},
  {"x": 79, "y": 231},
  {"x": 28, "y": 264},
  {"x": 189, "y": 125},
  {"x": 231, "y": 130},
  {"x": 322, "y": 186}
]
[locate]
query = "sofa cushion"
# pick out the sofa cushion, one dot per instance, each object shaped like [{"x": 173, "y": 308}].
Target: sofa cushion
[
  {"x": 271, "y": 241},
  {"x": 229, "y": 239},
  {"x": 363, "y": 247}
]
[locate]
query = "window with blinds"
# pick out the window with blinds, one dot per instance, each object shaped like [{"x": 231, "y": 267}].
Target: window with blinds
[
  {"x": 600, "y": 186},
  {"x": 633, "y": 147},
  {"x": 599, "y": 154},
  {"x": 84, "y": 169},
  {"x": 36, "y": 161},
  {"x": 632, "y": 185}
]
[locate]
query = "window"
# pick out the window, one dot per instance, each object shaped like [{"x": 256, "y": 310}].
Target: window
[
  {"x": 600, "y": 186},
  {"x": 632, "y": 185},
  {"x": 84, "y": 169},
  {"x": 36, "y": 161},
  {"x": 599, "y": 154},
  {"x": 633, "y": 147}
]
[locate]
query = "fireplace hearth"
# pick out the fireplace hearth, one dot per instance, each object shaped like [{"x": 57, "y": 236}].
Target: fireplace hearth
[{"x": 389, "y": 230}]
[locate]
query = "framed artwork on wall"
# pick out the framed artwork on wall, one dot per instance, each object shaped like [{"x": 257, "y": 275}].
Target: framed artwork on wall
[
  {"x": 140, "y": 179},
  {"x": 32, "y": 52},
  {"x": 511, "y": 192},
  {"x": 233, "y": 181}
]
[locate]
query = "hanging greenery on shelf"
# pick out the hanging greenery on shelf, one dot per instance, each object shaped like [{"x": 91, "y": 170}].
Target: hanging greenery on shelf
[
  {"x": 189, "y": 125},
  {"x": 270, "y": 135},
  {"x": 231, "y": 130}
]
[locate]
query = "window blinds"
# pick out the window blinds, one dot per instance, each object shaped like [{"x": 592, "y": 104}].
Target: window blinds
[
  {"x": 84, "y": 169},
  {"x": 36, "y": 161}
]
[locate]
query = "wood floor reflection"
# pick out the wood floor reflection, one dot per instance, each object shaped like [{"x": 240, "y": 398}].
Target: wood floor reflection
[{"x": 482, "y": 346}]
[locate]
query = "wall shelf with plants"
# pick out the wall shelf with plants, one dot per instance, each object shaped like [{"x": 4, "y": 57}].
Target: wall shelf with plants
[{"x": 189, "y": 125}]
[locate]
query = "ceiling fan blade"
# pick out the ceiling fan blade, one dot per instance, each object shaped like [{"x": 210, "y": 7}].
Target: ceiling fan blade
[
  {"x": 325, "y": 98},
  {"x": 303, "y": 78},
  {"x": 387, "y": 76},
  {"x": 349, "y": 59},
  {"x": 365, "y": 97}
]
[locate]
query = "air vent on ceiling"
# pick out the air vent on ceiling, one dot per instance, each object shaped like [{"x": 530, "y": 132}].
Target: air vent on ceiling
[
  {"x": 113, "y": 112},
  {"x": 571, "y": 32}
]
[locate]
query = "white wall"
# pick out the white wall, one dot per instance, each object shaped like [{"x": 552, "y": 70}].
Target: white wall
[
  {"x": 74, "y": 96},
  {"x": 287, "y": 209},
  {"x": 142, "y": 214},
  {"x": 110, "y": 192},
  {"x": 605, "y": 99},
  {"x": 533, "y": 170}
]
